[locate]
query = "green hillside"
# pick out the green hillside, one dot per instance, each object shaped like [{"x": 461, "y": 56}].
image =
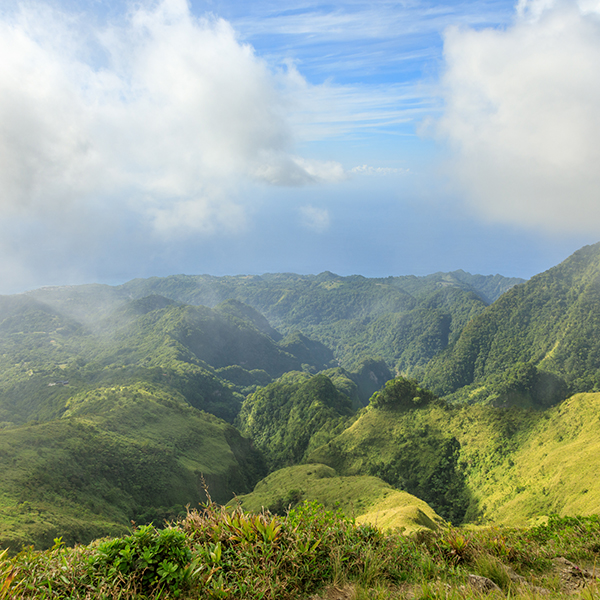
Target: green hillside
[
  {"x": 402, "y": 437},
  {"x": 476, "y": 463},
  {"x": 98, "y": 425},
  {"x": 405, "y": 320},
  {"x": 118, "y": 454},
  {"x": 555, "y": 468},
  {"x": 99, "y": 419},
  {"x": 542, "y": 334}
]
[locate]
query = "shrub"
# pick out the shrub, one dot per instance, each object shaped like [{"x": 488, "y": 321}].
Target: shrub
[{"x": 147, "y": 560}]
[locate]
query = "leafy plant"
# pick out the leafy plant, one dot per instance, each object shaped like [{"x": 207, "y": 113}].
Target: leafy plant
[
  {"x": 149, "y": 559},
  {"x": 215, "y": 552}
]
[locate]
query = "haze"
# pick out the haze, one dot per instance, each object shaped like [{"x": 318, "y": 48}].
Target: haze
[{"x": 225, "y": 137}]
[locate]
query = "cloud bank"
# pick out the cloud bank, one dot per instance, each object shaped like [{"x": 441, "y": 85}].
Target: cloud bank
[
  {"x": 521, "y": 116},
  {"x": 162, "y": 116}
]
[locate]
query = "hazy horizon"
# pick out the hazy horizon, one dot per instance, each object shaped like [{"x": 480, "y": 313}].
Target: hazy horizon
[{"x": 224, "y": 138}]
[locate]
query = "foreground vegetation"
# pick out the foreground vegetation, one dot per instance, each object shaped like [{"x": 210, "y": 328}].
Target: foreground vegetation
[{"x": 219, "y": 553}]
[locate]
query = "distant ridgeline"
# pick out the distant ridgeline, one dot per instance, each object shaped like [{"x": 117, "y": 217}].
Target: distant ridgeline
[{"x": 126, "y": 403}]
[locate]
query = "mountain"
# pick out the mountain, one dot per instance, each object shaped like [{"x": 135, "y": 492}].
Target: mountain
[
  {"x": 119, "y": 403},
  {"x": 536, "y": 345},
  {"x": 405, "y": 320},
  {"x": 403, "y": 438}
]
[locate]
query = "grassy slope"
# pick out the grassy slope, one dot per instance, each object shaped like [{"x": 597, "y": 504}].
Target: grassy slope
[
  {"x": 120, "y": 453},
  {"x": 410, "y": 449},
  {"x": 517, "y": 464},
  {"x": 556, "y": 468},
  {"x": 369, "y": 499}
]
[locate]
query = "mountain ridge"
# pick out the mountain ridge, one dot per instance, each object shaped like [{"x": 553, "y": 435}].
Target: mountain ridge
[
  {"x": 347, "y": 314},
  {"x": 550, "y": 323}
]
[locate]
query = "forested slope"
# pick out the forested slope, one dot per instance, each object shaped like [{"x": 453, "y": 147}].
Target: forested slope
[
  {"x": 537, "y": 343},
  {"x": 406, "y": 320}
]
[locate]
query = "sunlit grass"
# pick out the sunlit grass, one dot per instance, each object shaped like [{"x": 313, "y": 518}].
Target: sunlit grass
[{"x": 517, "y": 464}]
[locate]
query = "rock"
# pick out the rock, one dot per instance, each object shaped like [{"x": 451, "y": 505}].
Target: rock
[
  {"x": 573, "y": 577},
  {"x": 482, "y": 584}
]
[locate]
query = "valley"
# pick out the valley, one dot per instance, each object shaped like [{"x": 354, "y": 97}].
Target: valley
[{"x": 405, "y": 402}]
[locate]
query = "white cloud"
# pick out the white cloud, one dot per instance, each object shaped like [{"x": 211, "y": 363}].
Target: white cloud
[
  {"x": 330, "y": 111},
  {"x": 315, "y": 219},
  {"x": 522, "y": 116},
  {"x": 368, "y": 170},
  {"x": 162, "y": 115},
  {"x": 295, "y": 170}
]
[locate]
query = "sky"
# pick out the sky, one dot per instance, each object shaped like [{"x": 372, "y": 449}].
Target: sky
[{"x": 224, "y": 137}]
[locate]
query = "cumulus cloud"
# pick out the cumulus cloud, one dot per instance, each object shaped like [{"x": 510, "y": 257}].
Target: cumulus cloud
[
  {"x": 315, "y": 219},
  {"x": 521, "y": 115},
  {"x": 162, "y": 115}
]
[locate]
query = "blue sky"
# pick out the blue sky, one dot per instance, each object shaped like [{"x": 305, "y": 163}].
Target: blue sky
[{"x": 226, "y": 137}]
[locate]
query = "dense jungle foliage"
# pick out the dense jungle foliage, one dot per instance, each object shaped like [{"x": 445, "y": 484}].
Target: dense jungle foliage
[
  {"x": 543, "y": 332},
  {"x": 405, "y": 320}
]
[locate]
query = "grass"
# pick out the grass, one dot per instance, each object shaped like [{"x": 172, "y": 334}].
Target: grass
[
  {"x": 217, "y": 552},
  {"x": 368, "y": 499},
  {"x": 513, "y": 464},
  {"x": 123, "y": 453},
  {"x": 554, "y": 464}
]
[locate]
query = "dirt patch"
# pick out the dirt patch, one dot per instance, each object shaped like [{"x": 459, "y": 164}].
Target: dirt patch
[{"x": 335, "y": 593}]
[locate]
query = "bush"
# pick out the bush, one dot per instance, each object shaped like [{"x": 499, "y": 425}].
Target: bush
[
  {"x": 147, "y": 560},
  {"x": 402, "y": 393}
]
